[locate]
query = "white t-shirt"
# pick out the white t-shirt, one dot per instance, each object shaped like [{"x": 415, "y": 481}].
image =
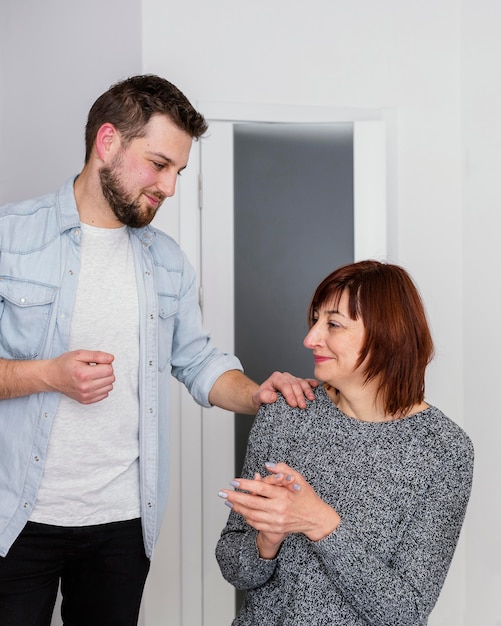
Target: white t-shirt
[{"x": 91, "y": 474}]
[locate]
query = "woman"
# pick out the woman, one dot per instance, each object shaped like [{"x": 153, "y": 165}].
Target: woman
[{"x": 358, "y": 516}]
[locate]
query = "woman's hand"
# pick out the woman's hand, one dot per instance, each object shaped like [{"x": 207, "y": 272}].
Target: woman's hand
[
  {"x": 279, "y": 504},
  {"x": 268, "y": 543}
]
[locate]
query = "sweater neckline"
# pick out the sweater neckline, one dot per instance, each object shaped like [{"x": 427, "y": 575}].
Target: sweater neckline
[{"x": 372, "y": 424}]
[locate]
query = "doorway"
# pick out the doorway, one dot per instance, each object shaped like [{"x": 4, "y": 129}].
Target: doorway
[
  {"x": 245, "y": 234},
  {"x": 293, "y": 224}
]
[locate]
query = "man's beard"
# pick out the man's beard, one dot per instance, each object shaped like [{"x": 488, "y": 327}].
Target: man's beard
[{"x": 127, "y": 209}]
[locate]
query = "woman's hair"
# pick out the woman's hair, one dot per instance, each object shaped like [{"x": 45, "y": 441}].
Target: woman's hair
[
  {"x": 129, "y": 105},
  {"x": 398, "y": 344}
]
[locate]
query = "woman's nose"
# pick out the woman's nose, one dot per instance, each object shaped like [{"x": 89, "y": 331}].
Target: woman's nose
[{"x": 312, "y": 338}]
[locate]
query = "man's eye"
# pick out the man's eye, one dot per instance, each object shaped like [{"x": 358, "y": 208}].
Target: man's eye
[{"x": 159, "y": 166}]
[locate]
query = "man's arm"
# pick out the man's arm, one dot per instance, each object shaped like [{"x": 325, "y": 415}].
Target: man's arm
[
  {"x": 236, "y": 392},
  {"x": 84, "y": 375}
]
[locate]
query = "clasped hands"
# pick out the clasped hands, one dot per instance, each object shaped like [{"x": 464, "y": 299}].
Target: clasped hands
[{"x": 278, "y": 504}]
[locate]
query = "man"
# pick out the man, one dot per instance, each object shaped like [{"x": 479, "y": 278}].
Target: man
[{"x": 97, "y": 308}]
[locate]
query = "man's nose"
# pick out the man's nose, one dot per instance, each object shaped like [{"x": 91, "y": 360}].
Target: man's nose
[{"x": 167, "y": 184}]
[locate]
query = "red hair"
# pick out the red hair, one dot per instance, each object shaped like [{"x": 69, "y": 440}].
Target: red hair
[{"x": 398, "y": 344}]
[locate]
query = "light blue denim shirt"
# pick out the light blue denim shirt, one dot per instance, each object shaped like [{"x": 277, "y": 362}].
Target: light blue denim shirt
[{"x": 39, "y": 267}]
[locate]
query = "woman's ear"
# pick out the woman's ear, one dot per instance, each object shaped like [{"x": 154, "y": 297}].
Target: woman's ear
[{"x": 107, "y": 141}]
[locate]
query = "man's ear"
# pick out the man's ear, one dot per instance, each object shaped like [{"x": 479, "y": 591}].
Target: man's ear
[{"x": 107, "y": 141}]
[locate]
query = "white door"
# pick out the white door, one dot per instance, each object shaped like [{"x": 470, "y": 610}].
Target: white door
[{"x": 217, "y": 277}]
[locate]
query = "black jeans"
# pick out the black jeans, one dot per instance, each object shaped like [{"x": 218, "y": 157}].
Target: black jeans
[{"x": 102, "y": 570}]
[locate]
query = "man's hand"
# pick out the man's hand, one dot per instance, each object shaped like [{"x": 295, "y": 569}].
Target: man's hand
[
  {"x": 295, "y": 390},
  {"x": 84, "y": 375},
  {"x": 234, "y": 391}
]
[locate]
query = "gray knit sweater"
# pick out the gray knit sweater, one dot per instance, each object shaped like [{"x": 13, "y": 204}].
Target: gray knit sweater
[{"x": 401, "y": 489}]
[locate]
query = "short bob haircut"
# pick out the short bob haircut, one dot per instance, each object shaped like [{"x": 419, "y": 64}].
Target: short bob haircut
[
  {"x": 398, "y": 344},
  {"x": 129, "y": 105}
]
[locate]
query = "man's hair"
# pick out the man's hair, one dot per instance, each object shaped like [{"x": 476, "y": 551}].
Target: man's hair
[
  {"x": 129, "y": 105},
  {"x": 398, "y": 344}
]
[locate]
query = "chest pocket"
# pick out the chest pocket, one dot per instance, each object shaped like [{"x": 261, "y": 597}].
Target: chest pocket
[
  {"x": 25, "y": 309},
  {"x": 167, "y": 308}
]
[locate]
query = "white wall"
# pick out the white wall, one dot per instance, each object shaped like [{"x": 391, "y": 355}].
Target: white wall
[
  {"x": 433, "y": 63},
  {"x": 481, "y": 127},
  {"x": 56, "y": 58}
]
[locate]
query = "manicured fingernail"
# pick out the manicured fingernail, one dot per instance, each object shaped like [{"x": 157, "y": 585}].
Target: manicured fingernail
[
  {"x": 234, "y": 483},
  {"x": 279, "y": 475},
  {"x": 270, "y": 464},
  {"x": 222, "y": 494},
  {"x": 296, "y": 487},
  {"x": 228, "y": 503},
  {"x": 289, "y": 477}
]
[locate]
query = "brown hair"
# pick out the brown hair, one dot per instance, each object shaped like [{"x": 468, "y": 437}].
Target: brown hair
[
  {"x": 398, "y": 344},
  {"x": 129, "y": 105}
]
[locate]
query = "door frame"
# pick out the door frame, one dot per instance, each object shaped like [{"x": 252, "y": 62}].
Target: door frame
[{"x": 207, "y": 435}]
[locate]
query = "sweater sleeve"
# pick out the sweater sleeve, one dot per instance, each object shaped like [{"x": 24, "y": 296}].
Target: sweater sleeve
[
  {"x": 236, "y": 550},
  {"x": 402, "y": 590}
]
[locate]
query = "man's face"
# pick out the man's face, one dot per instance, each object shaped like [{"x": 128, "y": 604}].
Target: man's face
[{"x": 144, "y": 173}]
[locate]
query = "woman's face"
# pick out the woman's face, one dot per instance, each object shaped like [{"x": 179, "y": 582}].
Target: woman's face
[{"x": 336, "y": 341}]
